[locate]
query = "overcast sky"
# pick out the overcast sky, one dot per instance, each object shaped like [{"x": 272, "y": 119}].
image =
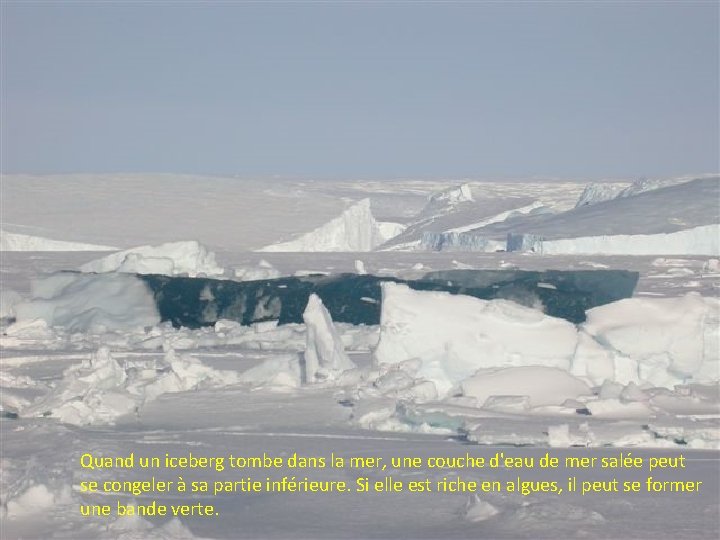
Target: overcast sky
[{"x": 361, "y": 89}]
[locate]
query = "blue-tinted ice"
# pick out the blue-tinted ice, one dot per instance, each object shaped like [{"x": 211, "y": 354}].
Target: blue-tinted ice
[{"x": 356, "y": 299}]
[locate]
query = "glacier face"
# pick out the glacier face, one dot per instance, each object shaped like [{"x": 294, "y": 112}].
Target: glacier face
[
  {"x": 704, "y": 240},
  {"x": 459, "y": 241}
]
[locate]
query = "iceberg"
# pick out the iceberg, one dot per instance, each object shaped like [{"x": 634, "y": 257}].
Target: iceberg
[
  {"x": 560, "y": 293},
  {"x": 703, "y": 240},
  {"x": 83, "y": 302},
  {"x": 356, "y": 298},
  {"x": 354, "y": 230},
  {"x": 660, "y": 341},
  {"x": 455, "y": 335},
  {"x": 172, "y": 258},
  {"x": 112, "y": 301}
]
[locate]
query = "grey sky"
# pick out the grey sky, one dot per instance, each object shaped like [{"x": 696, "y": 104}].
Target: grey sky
[{"x": 361, "y": 90}]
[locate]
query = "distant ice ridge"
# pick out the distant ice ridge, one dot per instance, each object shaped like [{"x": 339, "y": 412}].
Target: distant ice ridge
[
  {"x": 641, "y": 185},
  {"x": 172, "y": 258},
  {"x": 703, "y": 240},
  {"x": 498, "y": 218},
  {"x": 459, "y": 241},
  {"x": 354, "y": 230},
  {"x": 599, "y": 192},
  {"x": 23, "y": 242},
  {"x": 467, "y": 238},
  {"x": 453, "y": 195},
  {"x": 595, "y": 193}
]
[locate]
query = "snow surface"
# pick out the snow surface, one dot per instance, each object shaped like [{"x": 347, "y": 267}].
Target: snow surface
[{"x": 541, "y": 385}]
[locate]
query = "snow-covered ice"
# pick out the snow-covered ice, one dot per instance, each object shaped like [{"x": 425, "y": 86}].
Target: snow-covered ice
[
  {"x": 661, "y": 341},
  {"x": 454, "y": 336},
  {"x": 542, "y": 385},
  {"x": 83, "y": 302},
  {"x": 87, "y": 366}
]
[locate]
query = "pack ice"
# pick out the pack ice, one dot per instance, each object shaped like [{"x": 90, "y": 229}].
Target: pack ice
[{"x": 100, "y": 389}]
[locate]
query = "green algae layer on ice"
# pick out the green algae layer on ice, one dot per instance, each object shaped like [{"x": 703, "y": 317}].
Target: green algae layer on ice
[{"x": 356, "y": 299}]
